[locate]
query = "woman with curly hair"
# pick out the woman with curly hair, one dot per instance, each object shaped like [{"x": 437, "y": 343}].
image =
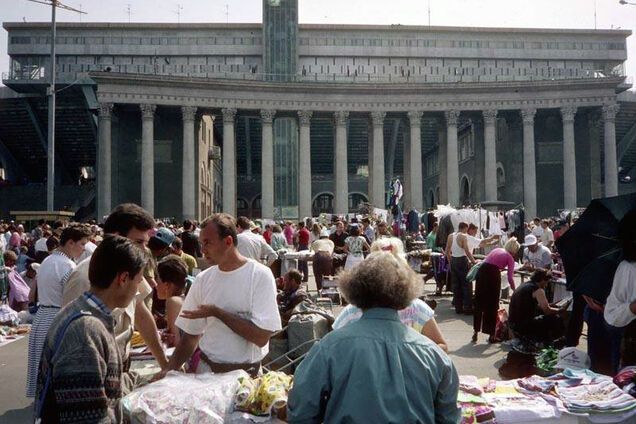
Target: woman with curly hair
[{"x": 376, "y": 369}]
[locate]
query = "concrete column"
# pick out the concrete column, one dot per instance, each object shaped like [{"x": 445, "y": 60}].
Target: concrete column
[
  {"x": 415, "y": 167},
  {"x": 490, "y": 154},
  {"x": 148, "y": 157},
  {"x": 452, "y": 160},
  {"x": 304, "y": 164},
  {"x": 595, "y": 124},
  {"x": 378, "y": 189},
  {"x": 569, "y": 158},
  {"x": 267, "y": 164},
  {"x": 229, "y": 162},
  {"x": 341, "y": 204},
  {"x": 188, "y": 185},
  {"x": 104, "y": 164},
  {"x": 611, "y": 161},
  {"x": 442, "y": 198},
  {"x": 529, "y": 164}
]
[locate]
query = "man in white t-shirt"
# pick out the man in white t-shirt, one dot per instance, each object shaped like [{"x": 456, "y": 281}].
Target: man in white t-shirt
[
  {"x": 535, "y": 256},
  {"x": 547, "y": 237},
  {"x": 230, "y": 311},
  {"x": 251, "y": 245},
  {"x": 537, "y": 230}
]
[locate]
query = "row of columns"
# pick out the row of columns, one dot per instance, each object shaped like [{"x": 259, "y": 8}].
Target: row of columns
[
  {"x": 188, "y": 189},
  {"x": 376, "y": 159}
]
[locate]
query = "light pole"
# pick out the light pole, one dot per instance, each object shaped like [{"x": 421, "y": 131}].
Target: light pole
[{"x": 50, "y": 154}]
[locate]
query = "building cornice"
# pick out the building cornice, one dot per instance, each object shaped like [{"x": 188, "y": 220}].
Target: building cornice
[
  {"x": 330, "y": 97},
  {"x": 313, "y": 27},
  {"x": 341, "y": 88}
]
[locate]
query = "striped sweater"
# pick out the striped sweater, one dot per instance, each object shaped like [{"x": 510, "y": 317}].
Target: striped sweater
[{"x": 86, "y": 384}]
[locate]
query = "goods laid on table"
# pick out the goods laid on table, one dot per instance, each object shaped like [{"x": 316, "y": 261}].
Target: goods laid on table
[
  {"x": 579, "y": 395},
  {"x": 231, "y": 397}
]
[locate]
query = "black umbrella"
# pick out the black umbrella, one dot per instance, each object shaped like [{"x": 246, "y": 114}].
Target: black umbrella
[{"x": 590, "y": 249}]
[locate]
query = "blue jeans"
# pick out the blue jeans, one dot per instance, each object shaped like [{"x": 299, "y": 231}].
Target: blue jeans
[{"x": 603, "y": 343}]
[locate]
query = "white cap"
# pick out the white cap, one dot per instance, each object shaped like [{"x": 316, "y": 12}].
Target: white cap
[
  {"x": 324, "y": 232},
  {"x": 571, "y": 357},
  {"x": 530, "y": 240}
]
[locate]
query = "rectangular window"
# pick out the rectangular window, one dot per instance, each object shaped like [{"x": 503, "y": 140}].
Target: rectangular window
[{"x": 20, "y": 40}]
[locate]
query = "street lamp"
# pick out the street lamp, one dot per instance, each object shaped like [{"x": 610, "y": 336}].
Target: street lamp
[{"x": 50, "y": 175}]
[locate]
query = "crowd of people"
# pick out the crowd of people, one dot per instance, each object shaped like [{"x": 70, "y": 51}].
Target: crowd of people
[{"x": 215, "y": 292}]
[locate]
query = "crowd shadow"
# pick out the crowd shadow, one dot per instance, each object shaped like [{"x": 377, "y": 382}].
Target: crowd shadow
[
  {"x": 471, "y": 350},
  {"x": 17, "y": 416}
]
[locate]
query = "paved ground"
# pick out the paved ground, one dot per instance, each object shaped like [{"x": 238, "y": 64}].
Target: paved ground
[{"x": 481, "y": 359}]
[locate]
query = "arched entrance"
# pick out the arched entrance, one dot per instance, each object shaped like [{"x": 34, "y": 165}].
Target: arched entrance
[
  {"x": 355, "y": 199},
  {"x": 465, "y": 191},
  {"x": 323, "y": 203}
]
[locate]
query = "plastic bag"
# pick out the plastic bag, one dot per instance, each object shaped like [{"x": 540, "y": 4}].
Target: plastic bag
[
  {"x": 184, "y": 398},
  {"x": 265, "y": 395}
]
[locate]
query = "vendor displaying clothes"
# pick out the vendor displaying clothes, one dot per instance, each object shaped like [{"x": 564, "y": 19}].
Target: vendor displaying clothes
[{"x": 531, "y": 317}]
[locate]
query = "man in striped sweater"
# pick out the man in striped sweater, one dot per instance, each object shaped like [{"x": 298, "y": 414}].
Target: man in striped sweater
[{"x": 80, "y": 378}]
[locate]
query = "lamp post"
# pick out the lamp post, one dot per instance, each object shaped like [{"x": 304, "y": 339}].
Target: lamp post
[{"x": 50, "y": 154}]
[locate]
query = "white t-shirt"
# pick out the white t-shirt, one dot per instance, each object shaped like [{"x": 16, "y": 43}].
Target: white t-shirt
[
  {"x": 542, "y": 258},
  {"x": 88, "y": 251},
  {"x": 547, "y": 236},
  {"x": 249, "y": 292},
  {"x": 254, "y": 246},
  {"x": 52, "y": 276},
  {"x": 617, "y": 311},
  {"x": 40, "y": 245}
]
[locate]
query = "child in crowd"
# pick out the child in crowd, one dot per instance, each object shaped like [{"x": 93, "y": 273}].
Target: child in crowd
[{"x": 171, "y": 286}]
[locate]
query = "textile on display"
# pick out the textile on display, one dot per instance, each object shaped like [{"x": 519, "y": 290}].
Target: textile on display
[{"x": 184, "y": 398}]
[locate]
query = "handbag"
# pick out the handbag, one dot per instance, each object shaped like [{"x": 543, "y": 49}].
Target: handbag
[{"x": 472, "y": 274}]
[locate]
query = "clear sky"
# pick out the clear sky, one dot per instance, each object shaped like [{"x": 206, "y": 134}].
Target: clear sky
[{"x": 499, "y": 13}]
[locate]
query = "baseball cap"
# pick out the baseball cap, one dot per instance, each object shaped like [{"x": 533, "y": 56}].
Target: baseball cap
[
  {"x": 324, "y": 232},
  {"x": 165, "y": 236},
  {"x": 530, "y": 240},
  {"x": 571, "y": 357}
]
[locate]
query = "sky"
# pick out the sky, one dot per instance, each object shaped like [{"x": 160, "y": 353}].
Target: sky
[{"x": 477, "y": 13}]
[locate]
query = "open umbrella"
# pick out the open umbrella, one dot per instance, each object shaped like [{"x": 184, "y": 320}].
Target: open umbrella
[{"x": 590, "y": 249}]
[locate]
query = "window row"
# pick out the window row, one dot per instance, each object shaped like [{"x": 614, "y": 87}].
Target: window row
[
  {"x": 475, "y": 44},
  {"x": 153, "y": 41}
]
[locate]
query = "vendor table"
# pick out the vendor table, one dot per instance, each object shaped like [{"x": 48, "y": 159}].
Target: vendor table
[{"x": 289, "y": 259}]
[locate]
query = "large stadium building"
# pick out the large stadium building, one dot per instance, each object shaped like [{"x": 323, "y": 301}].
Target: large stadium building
[{"x": 282, "y": 119}]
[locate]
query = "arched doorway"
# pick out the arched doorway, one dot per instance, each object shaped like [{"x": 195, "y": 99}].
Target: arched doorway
[
  {"x": 256, "y": 207},
  {"x": 355, "y": 199},
  {"x": 242, "y": 207},
  {"x": 323, "y": 203},
  {"x": 465, "y": 191}
]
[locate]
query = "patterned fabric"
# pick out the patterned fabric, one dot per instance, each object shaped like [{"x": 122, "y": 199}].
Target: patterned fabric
[
  {"x": 86, "y": 369},
  {"x": 416, "y": 315},
  {"x": 96, "y": 302},
  {"x": 41, "y": 323}
]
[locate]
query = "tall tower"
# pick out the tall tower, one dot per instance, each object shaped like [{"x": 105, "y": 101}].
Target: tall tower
[{"x": 280, "y": 38}]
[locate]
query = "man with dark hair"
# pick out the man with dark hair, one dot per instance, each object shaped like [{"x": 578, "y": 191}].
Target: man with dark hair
[
  {"x": 250, "y": 245},
  {"x": 80, "y": 376},
  {"x": 190, "y": 240},
  {"x": 460, "y": 256},
  {"x": 230, "y": 311},
  {"x": 177, "y": 247},
  {"x": 291, "y": 295},
  {"x": 134, "y": 223}
]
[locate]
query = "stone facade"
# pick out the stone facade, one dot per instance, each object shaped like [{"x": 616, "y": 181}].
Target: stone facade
[{"x": 460, "y": 115}]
